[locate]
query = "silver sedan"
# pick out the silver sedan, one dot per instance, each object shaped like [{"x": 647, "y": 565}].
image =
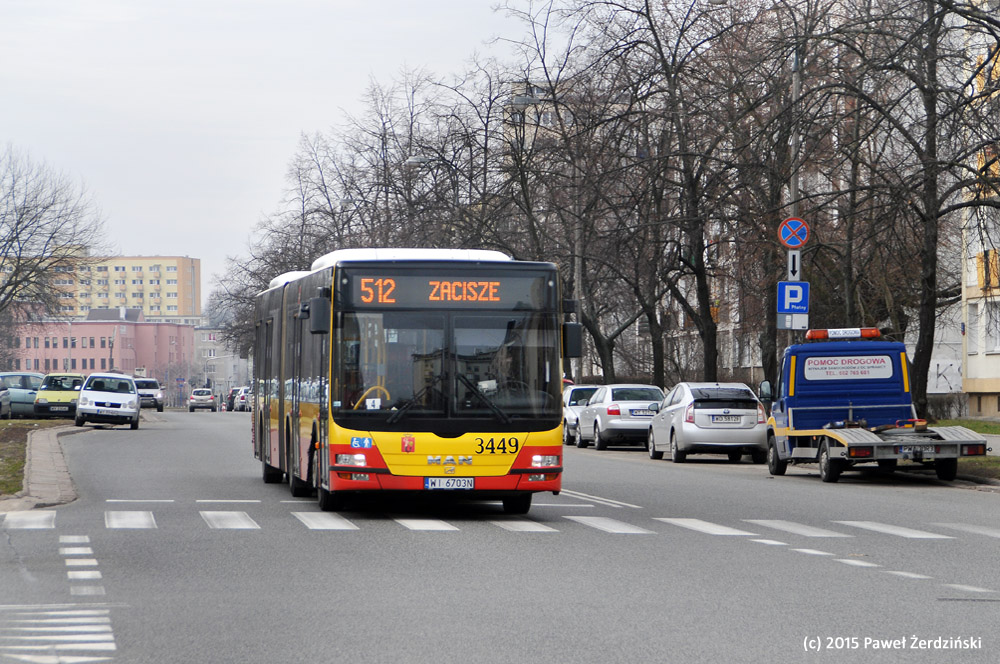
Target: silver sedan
[
  {"x": 617, "y": 413},
  {"x": 709, "y": 418}
]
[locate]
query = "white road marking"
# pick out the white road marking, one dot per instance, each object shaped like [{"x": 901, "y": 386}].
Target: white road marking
[
  {"x": 813, "y": 552},
  {"x": 610, "y": 525},
  {"x": 75, "y": 629},
  {"x": 797, "y": 528},
  {"x": 227, "y": 501},
  {"x": 139, "y": 500},
  {"x": 135, "y": 520},
  {"x": 604, "y": 501},
  {"x": 96, "y": 620},
  {"x": 425, "y": 524},
  {"x": 523, "y": 526},
  {"x": 856, "y": 563},
  {"x": 76, "y": 551},
  {"x": 706, "y": 527},
  {"x": 83, "y": 575},
  {"x": 81, "y": 562},
  {"x": 970, "y": 528},
  {"x": 74, "y": 539},
  {"x": 40, "y": 520},
  {"x": 324, "y": 521},
  {"x": 61, "y": 637},
  {"x": 770, "y": 542},
  {"x": 967, "y": 589},
  {"x": 909, "y": 575},
  {"x": 229, "y": 520},
  {"x": 898, "y": 531},
  {"x": 86, "y": 591}
]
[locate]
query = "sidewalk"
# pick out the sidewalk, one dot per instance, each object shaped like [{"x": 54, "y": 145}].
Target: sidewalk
[{"x": 46, "y": 477}]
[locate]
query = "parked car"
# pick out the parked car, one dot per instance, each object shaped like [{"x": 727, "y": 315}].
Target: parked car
[
  {"x": 243, "y": 399},
  {"x": 5, "y": 411},
  {"x": 109, "y": 399},
  {"x": 231, "y": 398},
  {"x": 150, "y": 393},
  {"x": 202, "y": 397},
  {"x": 22, "y": 388},
  {"x": 575, "y": 397},
  {"x": 617, "y": 413},
  {"x": 709, "y": 418},
  {"x": 57, "y": 395}
]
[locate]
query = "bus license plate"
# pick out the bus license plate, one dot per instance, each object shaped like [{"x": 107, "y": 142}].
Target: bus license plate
[
  {"x": 726, "y": 419},
  {"x": 449, "y": 483}
]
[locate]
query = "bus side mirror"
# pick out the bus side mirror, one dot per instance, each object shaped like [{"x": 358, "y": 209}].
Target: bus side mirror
[
  {"x": 319, "y": 315},
  {"x": 572, "y": 340}
]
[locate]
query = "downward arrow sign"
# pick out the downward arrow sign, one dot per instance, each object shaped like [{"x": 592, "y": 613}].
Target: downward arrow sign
[{"x": 794, "y": 260}]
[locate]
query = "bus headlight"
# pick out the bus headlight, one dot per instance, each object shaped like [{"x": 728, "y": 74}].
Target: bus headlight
[
  {"x": 544, "y": 460},
  {"x": 351, "y": 460}
]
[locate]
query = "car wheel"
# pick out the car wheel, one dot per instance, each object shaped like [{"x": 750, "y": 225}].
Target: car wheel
[
  {"x": 159, "y": 408},
  {"x": 675, "y": 453},
  {"x": 829, "y": 468},
  {"x": 134, "y": 424},
  {"x": 758, "y": 456},
  {"x": 651, "y": 447},
  {"x": 774, "y": 463},
  {"x": 578, "y": 437},
  {"x": 567, "y": 436},
  {"x": 191, "y": 409},
  {"x": 946, "y": 469},
  {"x": 600, "y": 443},
  {"x": 79, "y": 421},
  {"x": 735, "y": 457}
]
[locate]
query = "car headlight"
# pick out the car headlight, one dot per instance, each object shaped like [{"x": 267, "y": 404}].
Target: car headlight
[
  {"x": 84, "y": 401},
  {"x": 130, "y": 404}
]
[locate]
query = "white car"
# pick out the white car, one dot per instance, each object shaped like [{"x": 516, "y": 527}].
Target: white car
[
  {"x": 108, "y": 399},
  {"x": 575, "y": 397},
  {"x": 709, "y": 418},
  {"x": 617, "y": 413}
]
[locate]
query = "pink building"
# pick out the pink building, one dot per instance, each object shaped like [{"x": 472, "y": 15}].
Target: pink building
[{"x": 108, "y": 340}]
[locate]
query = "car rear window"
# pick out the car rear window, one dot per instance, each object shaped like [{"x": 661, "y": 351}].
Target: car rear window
[
  {"x": 724, "y": 397},
  {"x": 147, "y": 384},
  {"x": 636, "y": 394},
  {"x": 581, "y": 396},
  {"x": 202, "y": 393}
]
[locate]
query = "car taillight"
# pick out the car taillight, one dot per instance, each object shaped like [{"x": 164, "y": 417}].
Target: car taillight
[
  {"x": 613, "y": 409},
  {"x": 689, "y": 414},
  {"x": 761, "y": 415}
]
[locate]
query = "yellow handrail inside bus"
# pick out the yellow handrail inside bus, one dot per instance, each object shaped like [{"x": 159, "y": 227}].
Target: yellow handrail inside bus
[{"x": 373, "y": 388}]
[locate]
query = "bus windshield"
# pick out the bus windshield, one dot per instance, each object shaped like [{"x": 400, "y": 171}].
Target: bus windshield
[{"x": 401, "y": 370}]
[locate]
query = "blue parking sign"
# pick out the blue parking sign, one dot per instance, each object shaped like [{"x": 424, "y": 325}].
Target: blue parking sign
[{"x": 793, "y": 297}]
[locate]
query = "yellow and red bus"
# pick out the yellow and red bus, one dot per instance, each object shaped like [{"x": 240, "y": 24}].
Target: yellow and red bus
[{"x": 424, "y": 370}]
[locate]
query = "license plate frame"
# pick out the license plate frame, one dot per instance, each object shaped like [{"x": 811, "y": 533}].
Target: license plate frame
[
  {"x": 449, "y": 483},
  {"x": 726, "y": 419},
  {"x": 108, "y": 411},
  {"x": 58, "y": 409}
]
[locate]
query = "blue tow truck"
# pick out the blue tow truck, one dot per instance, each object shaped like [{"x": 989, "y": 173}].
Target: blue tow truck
[{"x": 844, "y": 400}]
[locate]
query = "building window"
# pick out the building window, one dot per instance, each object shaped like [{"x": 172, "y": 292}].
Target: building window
[
  {"x": 46, "y": 342},
  {"x": 46, "y": 364},
  {"x": 171, "y": 268},
  {"x": 35, "y": 343},
  {"x": 992, "y": 326},
  {"x": 137, "y": 268}
]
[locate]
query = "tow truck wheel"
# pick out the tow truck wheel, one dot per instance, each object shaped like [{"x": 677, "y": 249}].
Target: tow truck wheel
[
  {"x": 946, "y": 469},
  {"x": 829, "y": 468},
  {"x": 675, "y": 454},
  {"x": 774, "y": 463},
  {"x": 651, "y": 447}
]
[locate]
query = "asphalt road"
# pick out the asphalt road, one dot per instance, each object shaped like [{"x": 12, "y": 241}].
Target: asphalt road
[{"x": 175, "y": 551}]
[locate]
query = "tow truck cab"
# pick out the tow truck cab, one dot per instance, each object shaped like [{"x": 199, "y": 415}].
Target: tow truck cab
[{"x": 845, "y": 399}]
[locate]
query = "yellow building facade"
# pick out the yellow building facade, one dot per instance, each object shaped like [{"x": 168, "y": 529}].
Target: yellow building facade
[{"x": 161, "y": 286}]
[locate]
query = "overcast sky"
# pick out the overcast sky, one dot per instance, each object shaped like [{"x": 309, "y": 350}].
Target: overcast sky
[{"x": 180, "y": 116}]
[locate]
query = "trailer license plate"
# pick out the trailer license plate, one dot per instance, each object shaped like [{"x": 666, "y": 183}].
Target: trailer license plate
[
  {"x": 726, "y": 419},
  {"x": 449, "y": 483},
  {"x": 923, "y": 449}
]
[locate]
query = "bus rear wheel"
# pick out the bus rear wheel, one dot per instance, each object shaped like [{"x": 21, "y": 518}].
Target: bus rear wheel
[
  {"x": 519, "y": 504},
  {"x": 270, "y": 474}
]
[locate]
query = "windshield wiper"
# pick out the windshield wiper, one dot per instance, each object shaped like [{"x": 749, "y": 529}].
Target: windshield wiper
[
  {"x": 398, "y": 414},
  {"x": 504, "y": 417}
]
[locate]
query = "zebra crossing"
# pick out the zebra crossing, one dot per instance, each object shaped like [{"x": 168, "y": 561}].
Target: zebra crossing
[{"x": 119, "y": 519}]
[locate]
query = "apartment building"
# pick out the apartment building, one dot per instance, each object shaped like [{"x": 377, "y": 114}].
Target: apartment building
[{"x": 162, "y": 287}]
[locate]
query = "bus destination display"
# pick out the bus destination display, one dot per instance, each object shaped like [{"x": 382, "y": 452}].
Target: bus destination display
[{"x": 448, "y": 291}]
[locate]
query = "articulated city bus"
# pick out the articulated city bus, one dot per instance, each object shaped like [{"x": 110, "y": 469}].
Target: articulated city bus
[{"x": 412, "y": 370}]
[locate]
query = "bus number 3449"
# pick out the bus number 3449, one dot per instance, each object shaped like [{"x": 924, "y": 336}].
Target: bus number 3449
[{"x": 502, "y": 446}]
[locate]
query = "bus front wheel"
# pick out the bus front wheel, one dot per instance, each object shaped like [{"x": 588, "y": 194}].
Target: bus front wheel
[
  {"x": 519, "y": 504},
  {"x": 330, "y": 501}
]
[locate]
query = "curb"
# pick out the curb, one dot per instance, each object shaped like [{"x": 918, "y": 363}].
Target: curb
[{"x": 47, "y": 481}]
